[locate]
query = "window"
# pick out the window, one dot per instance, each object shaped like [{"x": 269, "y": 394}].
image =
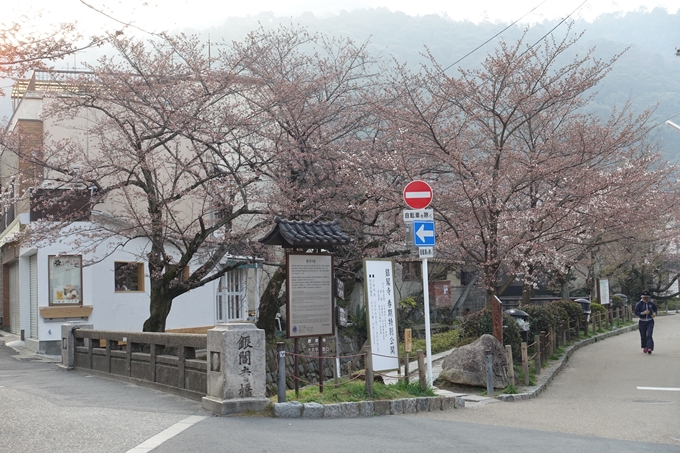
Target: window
[
  {"x": 65, "y": 276},
  {"x": 411, "y": 271},
  {"x": 231, "y": 298},
  {"x": 129, "y": 276}
]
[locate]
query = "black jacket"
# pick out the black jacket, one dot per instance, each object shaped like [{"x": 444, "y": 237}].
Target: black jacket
[{"x": 642, "y": 306}]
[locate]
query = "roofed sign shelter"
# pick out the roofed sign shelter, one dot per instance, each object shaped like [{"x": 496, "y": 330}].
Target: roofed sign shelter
[{"x": 310, "y": 277}]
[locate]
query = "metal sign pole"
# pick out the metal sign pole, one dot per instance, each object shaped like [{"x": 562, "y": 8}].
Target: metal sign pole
[{"x": 428, "y": 342}]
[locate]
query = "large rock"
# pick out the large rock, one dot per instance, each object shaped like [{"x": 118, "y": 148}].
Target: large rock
[{"x": 467, "y": 365}]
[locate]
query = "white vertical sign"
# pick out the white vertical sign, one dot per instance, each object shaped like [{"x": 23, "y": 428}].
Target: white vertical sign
[
  {"x": 382, "y": 314},
  {"x": 603, "y": 291}
]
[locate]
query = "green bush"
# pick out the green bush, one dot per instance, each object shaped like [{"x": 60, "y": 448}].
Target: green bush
[
  {"x": 573, "y": 310},
  {"x": 479, "y": 323},
  {"x": 541, "y": 318},
  {"x": 597, "y": 308},
  {"x": 617, "y": 302}
]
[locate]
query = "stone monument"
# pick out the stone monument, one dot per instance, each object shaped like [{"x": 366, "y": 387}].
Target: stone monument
[{"x": 236, "y": 369}]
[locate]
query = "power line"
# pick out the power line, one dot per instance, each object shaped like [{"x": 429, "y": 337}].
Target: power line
[
  {"x": 553, "y": 29},
  {"x": 493, "y": 37}
]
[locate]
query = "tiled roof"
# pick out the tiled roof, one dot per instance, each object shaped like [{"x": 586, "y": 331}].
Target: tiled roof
[{"x": 299, "y": 234}]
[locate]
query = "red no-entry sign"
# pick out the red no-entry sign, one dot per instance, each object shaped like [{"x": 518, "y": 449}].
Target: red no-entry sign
[{"x": 418, "y": 194}]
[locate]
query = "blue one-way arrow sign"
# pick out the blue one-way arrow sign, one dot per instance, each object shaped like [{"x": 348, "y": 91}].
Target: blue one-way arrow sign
[{"x": 423, "y": 233}]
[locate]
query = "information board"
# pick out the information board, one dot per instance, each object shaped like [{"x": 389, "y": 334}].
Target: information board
[
  {"x": 382, "y": 313},
  {"x": 310, "y": 295}
]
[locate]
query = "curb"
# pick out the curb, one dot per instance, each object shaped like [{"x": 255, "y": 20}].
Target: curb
[
  {"x": 295, "y": 409},
  {"x": 554, "y": 369}
]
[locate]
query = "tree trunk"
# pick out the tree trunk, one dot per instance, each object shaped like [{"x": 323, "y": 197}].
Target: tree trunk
[
  {"x": 565, "y": 287},
  {"x": 270, "y": 303},
  {"x": 463, "y": 297},
  {"x": 527, "y": 292},
  {"x": 160, "y": 305}
]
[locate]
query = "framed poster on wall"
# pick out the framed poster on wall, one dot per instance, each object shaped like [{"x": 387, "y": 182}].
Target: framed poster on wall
[{"x": 65, "y": 277}]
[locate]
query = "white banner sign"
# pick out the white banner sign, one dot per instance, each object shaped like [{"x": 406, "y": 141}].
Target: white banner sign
[
  {"x": 382, "y": 313},
  {"x": 603, "y": 291}
]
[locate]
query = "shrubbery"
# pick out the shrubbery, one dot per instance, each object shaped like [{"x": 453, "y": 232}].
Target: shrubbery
[
  {"x": 545, "y": 316},
  {"x": 541, "y": 318},
  {"x": 597, "y": 308},
  {"x": 479, "y": 323}
]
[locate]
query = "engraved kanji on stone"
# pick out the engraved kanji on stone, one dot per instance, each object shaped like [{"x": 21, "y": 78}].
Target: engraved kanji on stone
[
  {"x": 245, "y": 391},
  {"x": 244, "y": 342},
  {"x": 244, "y": 358}
]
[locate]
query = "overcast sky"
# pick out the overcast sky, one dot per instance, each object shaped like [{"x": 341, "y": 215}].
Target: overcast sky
[{"x": 157, "y": 15}]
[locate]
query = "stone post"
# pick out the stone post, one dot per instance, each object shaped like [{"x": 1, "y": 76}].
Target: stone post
[
  {"x": 489, "y": 373},
  {"x": 68, "y": 343},
  {"x": 237, "y": 372}
]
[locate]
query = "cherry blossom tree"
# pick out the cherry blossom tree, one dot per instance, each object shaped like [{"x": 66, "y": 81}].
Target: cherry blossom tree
[
  {"x": 158, "y": 139},
  {"x": 315, "y": 93},
  {"x": 519, "y": 167}
]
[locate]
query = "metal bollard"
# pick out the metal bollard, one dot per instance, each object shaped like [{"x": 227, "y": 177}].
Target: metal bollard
[
  {"x": 525, "y": 363},
  {"x": 281, "y": 383}
]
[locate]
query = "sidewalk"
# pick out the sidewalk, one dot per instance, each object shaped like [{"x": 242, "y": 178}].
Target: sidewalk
[
  {"x": 470, "y": 400},
  {"x": 548, "y": 373},
  {"x": 25, "y": 353}
]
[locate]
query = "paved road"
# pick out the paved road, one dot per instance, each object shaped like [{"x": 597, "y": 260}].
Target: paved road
[
  {"x": 594, "y": 405},
  {"x": 599, "y": 392}
]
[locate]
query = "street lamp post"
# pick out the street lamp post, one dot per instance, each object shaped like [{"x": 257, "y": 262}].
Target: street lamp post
[{"x": 672, "y": 124}]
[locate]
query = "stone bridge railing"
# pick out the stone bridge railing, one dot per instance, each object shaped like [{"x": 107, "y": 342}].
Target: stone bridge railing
[{"x": 224, "y": 369}]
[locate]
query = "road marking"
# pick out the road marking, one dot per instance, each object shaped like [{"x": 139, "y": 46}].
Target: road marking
[
  {"x": 166, "y": 434},
  {"x": 665, "y": 389}
]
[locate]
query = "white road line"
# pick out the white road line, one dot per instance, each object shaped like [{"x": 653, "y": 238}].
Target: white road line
[
  {"x": 166, "y": 434},
  {"x": 665, "y": 389}
]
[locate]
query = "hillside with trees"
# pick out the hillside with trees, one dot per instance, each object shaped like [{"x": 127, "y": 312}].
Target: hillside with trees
[{"x": 647, "y": 74}]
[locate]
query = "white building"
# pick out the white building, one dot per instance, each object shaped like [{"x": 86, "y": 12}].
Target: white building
[{"x": 48, "y": 283}]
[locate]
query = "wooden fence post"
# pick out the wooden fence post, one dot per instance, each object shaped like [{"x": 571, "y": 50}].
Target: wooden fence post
[
  {"x": 592, "y": 320},
  {"x": 544, "y": 348},
  {"x": 511, "y": 365},
  {"x": 368, "y": 360},
  {"x": 525, "y": 363},
  {"x": 421, "y": 369}
]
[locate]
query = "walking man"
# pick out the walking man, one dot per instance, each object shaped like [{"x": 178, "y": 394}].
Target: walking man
[{"x": 646, "y": 311}]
